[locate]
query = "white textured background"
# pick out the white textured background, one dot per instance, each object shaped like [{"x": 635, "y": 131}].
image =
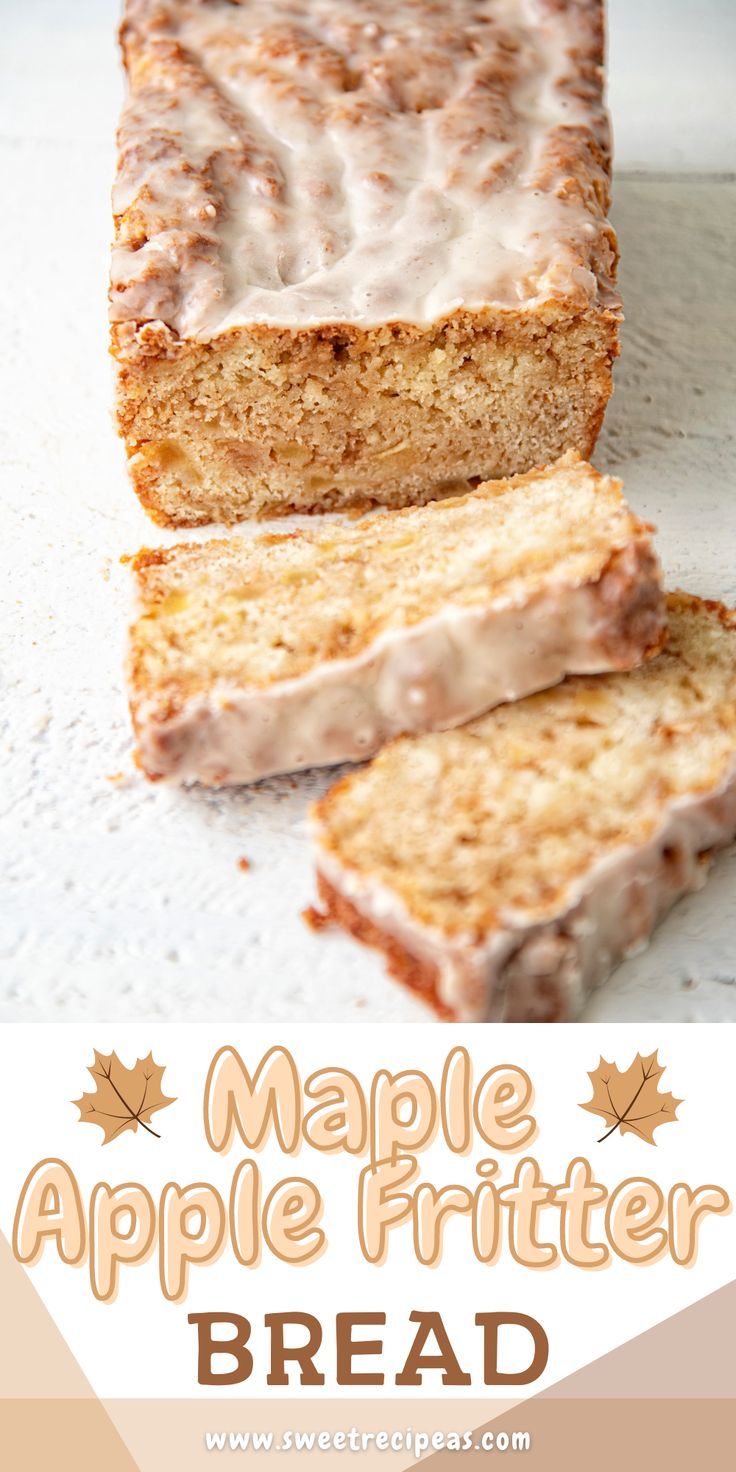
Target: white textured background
[{"x": 120, "y": 899}]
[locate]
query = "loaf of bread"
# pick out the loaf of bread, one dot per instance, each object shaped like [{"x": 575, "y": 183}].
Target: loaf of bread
[
  {"x": 255, "y": 656},
  {"x": 361, "y": 249},
  {"x": 505, "y": 868}
]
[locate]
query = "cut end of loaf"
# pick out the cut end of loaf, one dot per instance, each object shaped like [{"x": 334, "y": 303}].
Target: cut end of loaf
[{"x": 254, "y": 426}]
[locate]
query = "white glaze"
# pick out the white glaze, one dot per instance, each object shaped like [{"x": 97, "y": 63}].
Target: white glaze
[
  {"x": 296, "y": 162},
  {"x": 543, "y": 970},
  {"x": 438, "y": 673}
]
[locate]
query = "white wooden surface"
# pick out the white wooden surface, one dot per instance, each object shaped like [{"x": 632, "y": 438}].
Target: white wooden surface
[{"x": 121, "y": 899}]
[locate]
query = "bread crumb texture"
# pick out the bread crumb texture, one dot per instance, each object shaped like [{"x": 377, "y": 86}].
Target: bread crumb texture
[
  {"x": 256, "y": 611},
  {"x": 499, "y": 819}
]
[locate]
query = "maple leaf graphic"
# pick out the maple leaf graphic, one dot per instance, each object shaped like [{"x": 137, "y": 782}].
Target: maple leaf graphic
[
  {"x": 123, "y": 1098},
  {"x": 631, "y": 1101}
]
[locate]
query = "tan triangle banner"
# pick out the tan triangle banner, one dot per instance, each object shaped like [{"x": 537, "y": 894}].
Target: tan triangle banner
[
  {"x": 666, "y": 1399},
  {"x": 50, "y": 1416}
]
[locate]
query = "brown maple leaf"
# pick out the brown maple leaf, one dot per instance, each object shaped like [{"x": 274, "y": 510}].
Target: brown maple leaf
[
  {"x": 124, "y": 1098},
  {"x": 632, "y": 1100}
]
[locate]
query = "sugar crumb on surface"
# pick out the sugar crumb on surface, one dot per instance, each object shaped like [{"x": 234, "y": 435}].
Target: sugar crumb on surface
[{"x": 316, "y": 919}]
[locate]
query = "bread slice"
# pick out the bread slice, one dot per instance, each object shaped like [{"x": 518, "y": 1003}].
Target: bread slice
[
  {"x": 505, "y": 868},
  {"x": 251, "y": 657}
]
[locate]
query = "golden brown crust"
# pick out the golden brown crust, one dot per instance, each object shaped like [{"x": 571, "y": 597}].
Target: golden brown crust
[
  {"x": 419, "y": 976},
  {"x": 148, "y": 557},
  {"x": 630, "y": 585}
]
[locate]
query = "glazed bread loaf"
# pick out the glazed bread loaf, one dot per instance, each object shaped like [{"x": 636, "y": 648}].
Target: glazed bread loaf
[
  {"x": 254, "y": 656},
  {"x": 361, "y": 248},
  {"x": 505, "y": 868}
]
